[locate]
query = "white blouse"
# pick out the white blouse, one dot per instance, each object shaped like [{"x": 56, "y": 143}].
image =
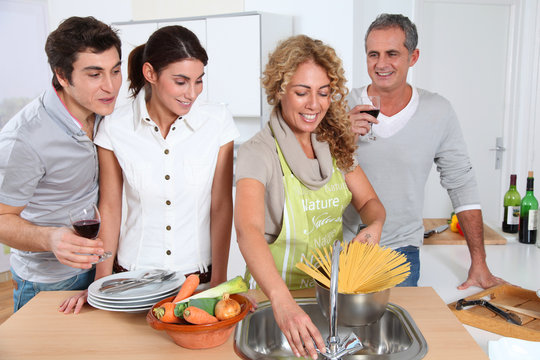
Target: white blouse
[{"x": 167, "y": 183}]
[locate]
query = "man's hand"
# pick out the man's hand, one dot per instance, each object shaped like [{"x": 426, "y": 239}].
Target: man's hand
[
  {"x": 479, "y": 275},
  {"x": 73, "y": 250},
  {"x": 361, "y": 121}
]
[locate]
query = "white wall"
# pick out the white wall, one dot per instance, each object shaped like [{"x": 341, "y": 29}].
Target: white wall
[
  {"x": 104, "y": 10},
  {"x": 331, "y": 22},
  {"x": 163, "y": 9}
]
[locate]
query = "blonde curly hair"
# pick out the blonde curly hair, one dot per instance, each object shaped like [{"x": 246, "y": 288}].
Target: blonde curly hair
[{"x": 282, "y": 64}]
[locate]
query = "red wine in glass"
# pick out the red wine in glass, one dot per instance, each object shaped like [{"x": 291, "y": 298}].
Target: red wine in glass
[
  {"x": 86, "y": 223},
  {"x": 375, "y": 102},
  {"x": 374, "y": 112},
  {"x": 87, "y": 228}
]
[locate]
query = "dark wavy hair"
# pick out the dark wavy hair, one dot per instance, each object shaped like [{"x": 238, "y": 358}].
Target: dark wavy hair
[{"x": 75, "y": 35}]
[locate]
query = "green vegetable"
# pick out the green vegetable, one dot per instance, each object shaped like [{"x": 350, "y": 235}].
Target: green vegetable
[
  {"x": 206, "y": 304},
  {"x": 179, "y": 310},
  {"x": 233, "y": 286}
]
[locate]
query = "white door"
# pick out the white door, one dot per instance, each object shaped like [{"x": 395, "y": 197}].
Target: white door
[{"x": 464, "y": 57}]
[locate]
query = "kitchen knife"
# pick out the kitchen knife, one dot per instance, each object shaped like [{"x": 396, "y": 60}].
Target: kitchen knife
[
  {"x": 511, "y": 318},
  {"x": 437, "y": 230}
]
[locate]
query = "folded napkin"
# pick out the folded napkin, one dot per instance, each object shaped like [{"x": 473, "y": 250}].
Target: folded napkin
[{"x": 513, "y": 349}]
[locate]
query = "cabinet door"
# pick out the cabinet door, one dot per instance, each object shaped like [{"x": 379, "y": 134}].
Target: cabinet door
[
  {"x": 234, "y": 66},
  {"x": 132, "y": 35},
  {"x": 198, "y": 27}
]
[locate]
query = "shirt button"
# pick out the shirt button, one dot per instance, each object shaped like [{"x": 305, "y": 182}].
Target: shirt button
[
  {"x": 147, "y": 119},
  {"x": 167, "y": 177},
  {"x": 156, "y": 129},
  {"x": 168, "y": 202},
  {"x": 173, "y": 128},
  {"x": 168, "y": 252},
  {"x": 168, "y": 227},
  {"x": 166, "y": 151}
]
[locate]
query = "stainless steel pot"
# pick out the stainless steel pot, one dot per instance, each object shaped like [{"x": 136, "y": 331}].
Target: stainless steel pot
[{"x": 354, "y": 309}]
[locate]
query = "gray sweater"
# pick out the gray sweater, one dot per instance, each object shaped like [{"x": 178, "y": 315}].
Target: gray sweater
[{"x": 398, "y": 168}]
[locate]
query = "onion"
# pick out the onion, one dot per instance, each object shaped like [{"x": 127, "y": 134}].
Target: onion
[{"x": 226, "y": 308}]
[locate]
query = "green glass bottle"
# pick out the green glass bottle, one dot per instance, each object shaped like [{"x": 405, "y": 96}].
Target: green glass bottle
[
  {"x": 528, "y": 217},
  {"x": 512, "y": 203}
]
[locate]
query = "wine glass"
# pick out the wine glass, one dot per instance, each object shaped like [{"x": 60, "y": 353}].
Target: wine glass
[
  {"x": 375, "y": 102},
  {"x": 86, "y": 223}
]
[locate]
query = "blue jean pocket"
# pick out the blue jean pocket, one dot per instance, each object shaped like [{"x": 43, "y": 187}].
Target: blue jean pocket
[
  {"x": 26, "y": 290},
  {"x": 412, "y": 253}
]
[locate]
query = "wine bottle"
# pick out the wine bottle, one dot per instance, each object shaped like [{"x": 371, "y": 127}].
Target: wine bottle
[
  {"x": 512, "y": 202},
  {"x": 528, "y": 217}
]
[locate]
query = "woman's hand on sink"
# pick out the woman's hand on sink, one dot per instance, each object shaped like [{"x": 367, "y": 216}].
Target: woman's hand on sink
[{"x": 298, "y": 328}]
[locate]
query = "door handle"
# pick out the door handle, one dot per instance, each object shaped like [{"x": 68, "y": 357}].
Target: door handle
[{"x": 499, "y": 148}]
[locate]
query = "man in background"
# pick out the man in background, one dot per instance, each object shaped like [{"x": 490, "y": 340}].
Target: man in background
[
  {"x": 48, "y": 162},
  {"x": 414, "y": 129}
]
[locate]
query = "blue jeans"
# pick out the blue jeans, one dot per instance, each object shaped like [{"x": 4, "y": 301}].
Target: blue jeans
[
  {"x": 26, "y": 290},
  {"x": 413, "y": 257}
]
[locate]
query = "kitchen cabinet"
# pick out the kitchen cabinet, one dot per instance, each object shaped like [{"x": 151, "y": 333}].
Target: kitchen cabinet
[
  {"x": 132, "y": 35},
  {"x": 237, "y": 45}
]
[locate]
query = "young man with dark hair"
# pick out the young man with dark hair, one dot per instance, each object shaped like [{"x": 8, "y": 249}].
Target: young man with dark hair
[{"x": 49, "y": 162}]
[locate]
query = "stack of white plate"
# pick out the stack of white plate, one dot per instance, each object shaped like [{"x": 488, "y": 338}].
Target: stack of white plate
[{"x": 138, "y": 299}]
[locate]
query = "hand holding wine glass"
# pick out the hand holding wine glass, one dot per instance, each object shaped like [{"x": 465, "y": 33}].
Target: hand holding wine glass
[
  {"x": 86, "y": 223},
  {"x": 375, "y": 102}
]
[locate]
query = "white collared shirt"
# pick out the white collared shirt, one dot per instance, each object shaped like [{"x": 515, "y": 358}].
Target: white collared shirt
[{"x": 167, "y": 183}]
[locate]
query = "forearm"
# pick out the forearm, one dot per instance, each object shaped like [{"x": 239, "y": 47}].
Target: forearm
[
  {"x": 23, "y": 235},
  {"x": 373, "y": 213},
  {"x": 220, "y": 235},
  {"x": 473, "y": 227},
  {"x": 261, "y": 265},
  {"x": 109, "y": 233}
]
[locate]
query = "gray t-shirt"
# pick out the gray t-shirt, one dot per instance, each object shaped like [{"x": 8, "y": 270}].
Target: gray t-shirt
[
  {"x": 49, "y": 165},
  {"x": 398, "y": 168}
]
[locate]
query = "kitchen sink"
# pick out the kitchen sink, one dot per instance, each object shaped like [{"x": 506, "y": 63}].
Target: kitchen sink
[{"x": 394, "y": 337}]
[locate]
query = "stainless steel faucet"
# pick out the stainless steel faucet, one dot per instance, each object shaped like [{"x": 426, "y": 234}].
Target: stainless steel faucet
[{"x": 335, "y": 348}]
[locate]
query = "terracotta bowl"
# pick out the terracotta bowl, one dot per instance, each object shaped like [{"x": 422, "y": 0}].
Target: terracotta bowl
[{"x": 199, "y": 336}]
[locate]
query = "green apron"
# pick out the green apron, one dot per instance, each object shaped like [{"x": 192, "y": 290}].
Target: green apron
[{"x": 311, "y": 219}]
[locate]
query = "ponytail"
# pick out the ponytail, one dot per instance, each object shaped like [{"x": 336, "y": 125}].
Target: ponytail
[{"x": 135, "y": 74}]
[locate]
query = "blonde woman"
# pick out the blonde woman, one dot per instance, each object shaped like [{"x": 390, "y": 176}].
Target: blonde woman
[{"x": 295, "y": 178}]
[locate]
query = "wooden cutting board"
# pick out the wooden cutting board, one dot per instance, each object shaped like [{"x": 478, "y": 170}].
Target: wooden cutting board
[
  {"x": 447, "y": 237},
  {"x": 506, "y": 294}
]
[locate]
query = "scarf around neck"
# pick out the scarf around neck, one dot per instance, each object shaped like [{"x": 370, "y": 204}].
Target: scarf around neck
[{"x": 313, "y": 173}]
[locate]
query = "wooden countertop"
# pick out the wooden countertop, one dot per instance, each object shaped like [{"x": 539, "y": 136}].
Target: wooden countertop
[
  {"x": 38, "y": 330},
  {"x": 447, "y": 237}
]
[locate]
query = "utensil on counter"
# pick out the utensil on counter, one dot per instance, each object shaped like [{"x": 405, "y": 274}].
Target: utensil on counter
[
  {"x": 109, "y": 284},
  {"x": 437, "y": 230},
  {"x": 531, "y": 313},
  {"x": 122, "y": 287},
  {"x": 511, "y": 318}
]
